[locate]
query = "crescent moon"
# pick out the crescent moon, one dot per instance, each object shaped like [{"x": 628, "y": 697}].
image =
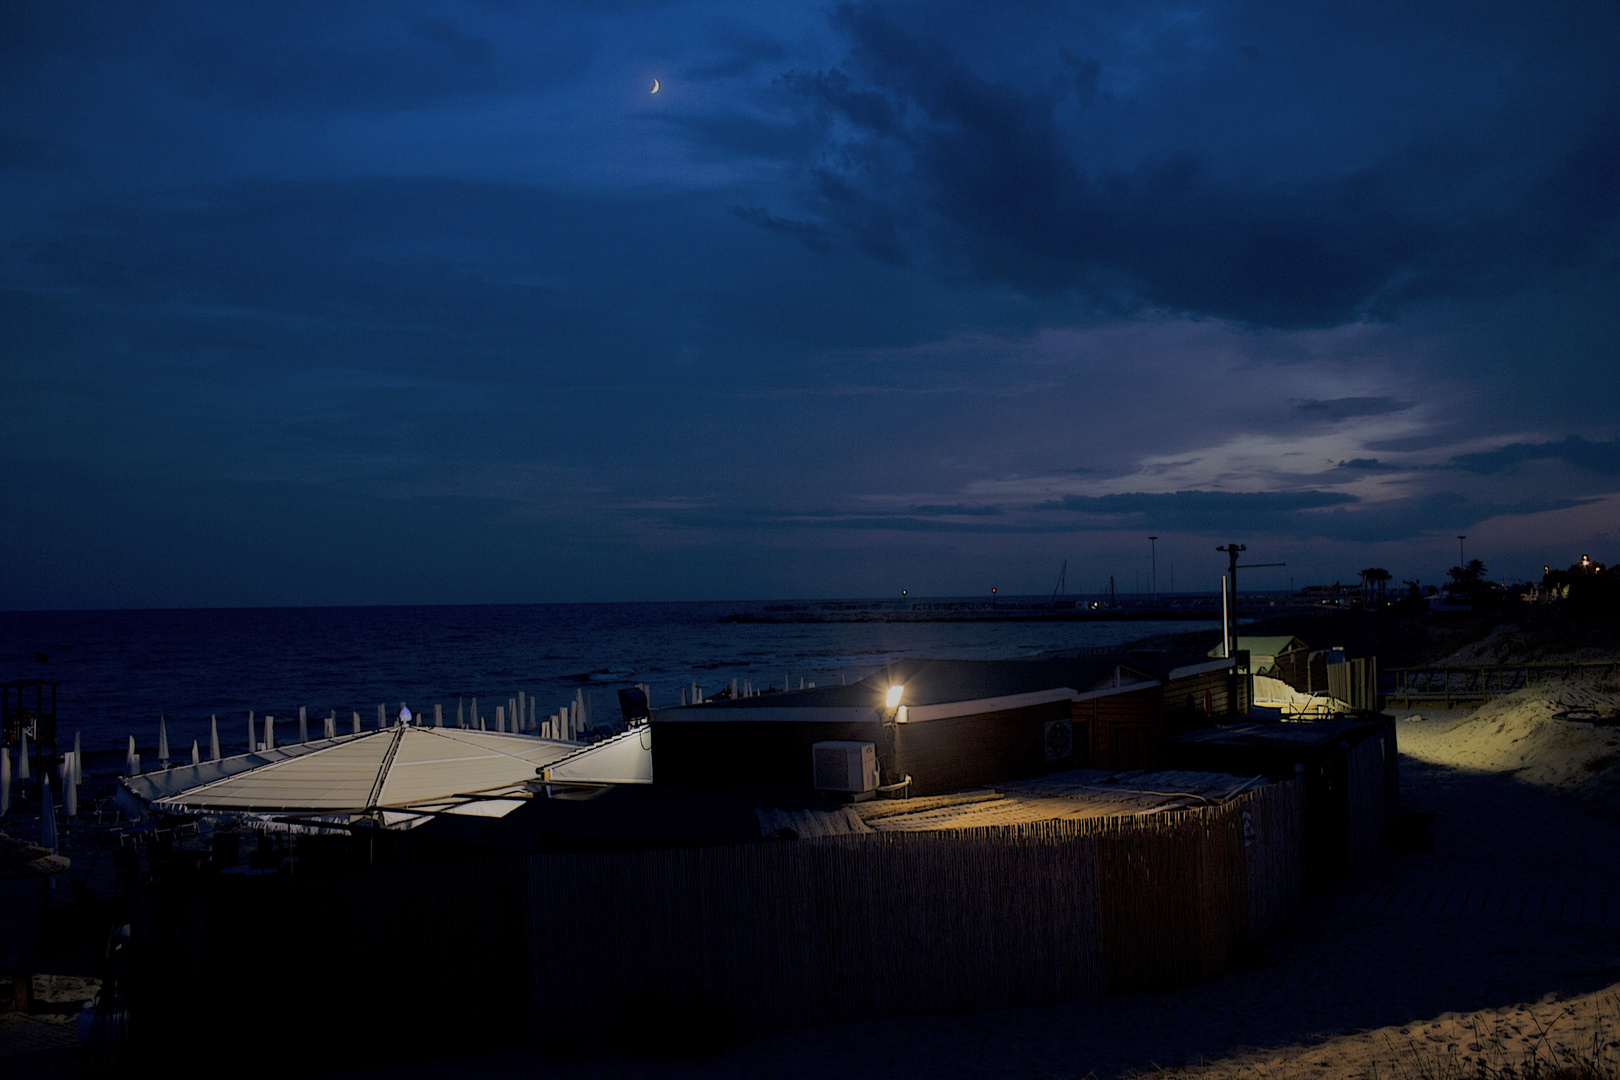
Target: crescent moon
[{"x": 655, "y": 86}]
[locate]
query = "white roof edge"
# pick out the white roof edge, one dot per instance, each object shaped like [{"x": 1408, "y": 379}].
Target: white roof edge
[
  {"x": 802, "y": 714},
  {"x": 1110, "y": 691},
  {"x": 916, "y": 714},
  {"x": 1199, "y": 669}
]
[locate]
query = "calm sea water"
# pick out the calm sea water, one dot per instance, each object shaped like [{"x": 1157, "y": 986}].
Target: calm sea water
[{"x": 120, "y": 670}]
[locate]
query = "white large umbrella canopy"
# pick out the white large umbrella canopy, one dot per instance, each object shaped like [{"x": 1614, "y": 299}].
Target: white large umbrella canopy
[{"x": 391, "y": 771}]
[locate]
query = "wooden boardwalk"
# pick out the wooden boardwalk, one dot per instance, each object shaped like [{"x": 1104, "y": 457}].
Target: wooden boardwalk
[
  {"x": 1575, "y": 909},
  {"x": 1469, "y": 684}
]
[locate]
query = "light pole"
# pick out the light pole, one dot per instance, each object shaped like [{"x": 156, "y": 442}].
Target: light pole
[{"x": 1153, "y": 554}]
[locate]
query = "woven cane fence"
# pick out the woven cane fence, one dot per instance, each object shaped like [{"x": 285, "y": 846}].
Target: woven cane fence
[{"x": 563, "y": 946}]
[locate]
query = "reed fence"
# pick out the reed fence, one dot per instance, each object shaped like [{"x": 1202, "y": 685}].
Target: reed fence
[{"x": 563, "y": 946}]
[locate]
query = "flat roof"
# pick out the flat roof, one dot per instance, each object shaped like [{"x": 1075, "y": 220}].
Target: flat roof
[{"x": 1074, "y": 795}]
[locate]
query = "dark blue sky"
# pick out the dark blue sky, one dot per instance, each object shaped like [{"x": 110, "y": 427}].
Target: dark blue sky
[{"x": 400, "y": 303}]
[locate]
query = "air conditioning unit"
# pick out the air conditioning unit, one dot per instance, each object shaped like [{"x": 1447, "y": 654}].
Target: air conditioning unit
[{"x": 849, "y": 767}]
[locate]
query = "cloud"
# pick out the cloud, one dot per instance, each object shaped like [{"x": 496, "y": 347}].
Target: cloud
[
  {"x": 959, "y": 510},
  {"x": 1200, "y": 508},
  {"x": 813, "y": 236},
  {"x": 1346, "y": 407},
  {"x": 927, "y": 157},
  {"x": 1602, "y": 458}
]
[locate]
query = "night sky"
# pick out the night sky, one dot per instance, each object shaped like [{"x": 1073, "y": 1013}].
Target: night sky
[{"x": 420, "y": 303}]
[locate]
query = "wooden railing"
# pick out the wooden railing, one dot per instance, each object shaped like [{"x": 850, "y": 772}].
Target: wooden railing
[{"x": 1449, "y": 684}]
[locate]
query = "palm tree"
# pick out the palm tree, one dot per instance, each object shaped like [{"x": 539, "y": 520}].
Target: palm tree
[
  {"x": 1379, "y": 577},
  {"x": 1467, "y": 578}
]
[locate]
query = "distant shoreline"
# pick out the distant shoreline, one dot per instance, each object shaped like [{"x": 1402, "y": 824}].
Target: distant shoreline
[{"x": 1008, "y": 614}]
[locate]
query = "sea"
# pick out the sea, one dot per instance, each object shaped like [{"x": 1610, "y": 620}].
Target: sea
[{"x": 121, "y": 671}]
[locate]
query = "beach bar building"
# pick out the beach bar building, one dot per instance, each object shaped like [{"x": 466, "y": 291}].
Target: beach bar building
[{"x": 936, "y": 726}]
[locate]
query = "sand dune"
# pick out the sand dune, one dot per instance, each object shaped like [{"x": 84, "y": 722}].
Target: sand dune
[
  {"x": 1543, "y": 1037},
  {"x": 1563, "y": 735}
]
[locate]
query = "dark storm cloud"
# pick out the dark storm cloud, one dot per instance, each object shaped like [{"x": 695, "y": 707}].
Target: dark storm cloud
[
  {"x": 813, "y": 235},
  {"x": 957, "y": 510},
  {"x": 934, "y": 158},
  {"x": 1602, "y": 458},
  {"x": 1347, "y": 407},
  {"x": 1439, "y": 513},
  {"x": 1302, "y": 515},
  {"x": 1201, "y": 511}
]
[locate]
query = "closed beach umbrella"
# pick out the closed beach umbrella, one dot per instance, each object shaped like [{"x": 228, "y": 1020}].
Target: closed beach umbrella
[
  {"x": 47, "y": 815},
  {"x": 70, "y": 794},
  {"x": 78, "y": 761},
  {"x": 303, "y": 724},
  {"x": 213, "y": 738},
  {"x": 269, "y": 732},
  {"x": 253, "y": 733},
  {"x": 461, "y": 716},
  {"x": 438, "y": 715},
  {"x": 129, "y": 757},
  {"x": 331, "y": 724},
  {"x": 196, "y": 753},
  {"x": 473, "y": 718},
  {"x": 163, "y": 742},
  {"x": 356, "y": 714},
  {"x": 5, "y": 780},
  {"x": 22, "y": 759}
]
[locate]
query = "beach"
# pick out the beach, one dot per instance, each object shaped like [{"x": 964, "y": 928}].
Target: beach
[{"x": 1506, "y": 935}]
